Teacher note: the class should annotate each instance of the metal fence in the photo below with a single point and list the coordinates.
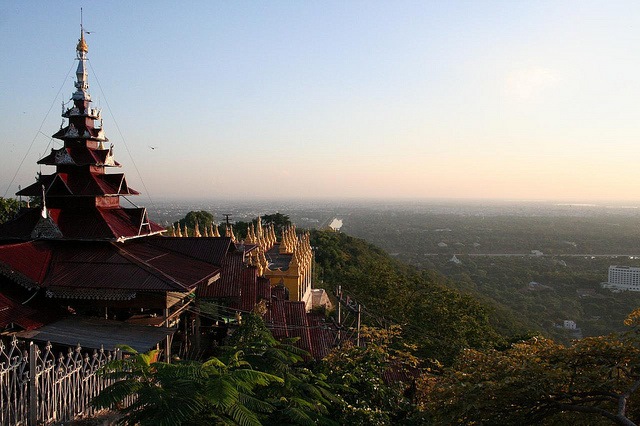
(36, 387)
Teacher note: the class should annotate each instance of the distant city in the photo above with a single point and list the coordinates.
(314, 214)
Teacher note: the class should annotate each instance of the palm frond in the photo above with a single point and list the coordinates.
(243, 416)
(255, 404)
(298, 416)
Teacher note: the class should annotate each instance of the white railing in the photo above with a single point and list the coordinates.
(39, 388)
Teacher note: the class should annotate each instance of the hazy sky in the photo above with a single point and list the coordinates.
(301, 99)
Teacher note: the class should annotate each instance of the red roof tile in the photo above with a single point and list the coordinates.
(12, 312)
(208, 249)
(322, 335)
(136, 265)
(94, 223)
(30, 259)
(289, 319)
(231, 279)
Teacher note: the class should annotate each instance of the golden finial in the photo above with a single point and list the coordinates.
(82, 45)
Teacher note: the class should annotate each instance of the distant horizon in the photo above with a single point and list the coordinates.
(557, 202)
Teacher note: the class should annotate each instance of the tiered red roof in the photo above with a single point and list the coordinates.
(82, 201)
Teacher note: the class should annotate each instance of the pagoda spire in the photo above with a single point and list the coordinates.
(80, 186)
(82, 82)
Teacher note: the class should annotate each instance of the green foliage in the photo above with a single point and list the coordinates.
(439, 320)
(255, 380)
(303, 397)
(359, 375)
(186, 392)
(202, 218)
(593, 381)
(504, 282)
(9, 207)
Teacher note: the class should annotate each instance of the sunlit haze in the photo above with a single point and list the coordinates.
(337, 99)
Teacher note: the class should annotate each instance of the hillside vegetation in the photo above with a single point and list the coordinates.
(440, 320)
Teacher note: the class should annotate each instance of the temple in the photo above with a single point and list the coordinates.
(81, 269)
(80, 200)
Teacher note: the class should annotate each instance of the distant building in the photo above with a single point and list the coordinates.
(623, 278)
(569, 325)
(536, 253)
(586, 292)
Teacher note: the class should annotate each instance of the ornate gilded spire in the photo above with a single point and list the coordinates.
(82, 45)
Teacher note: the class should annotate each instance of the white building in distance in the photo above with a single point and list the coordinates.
(623, 278)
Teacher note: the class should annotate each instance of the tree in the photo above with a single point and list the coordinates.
(303, 397)
(202, 218)
(255, 380)
(541, 382)
(376, 379)
(185, 392)
(439, 320)
(9, 208)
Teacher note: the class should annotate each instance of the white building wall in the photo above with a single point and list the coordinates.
(624, 278)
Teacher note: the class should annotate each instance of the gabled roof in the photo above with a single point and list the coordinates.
(101, 268)
(30, 259)
(12, 312)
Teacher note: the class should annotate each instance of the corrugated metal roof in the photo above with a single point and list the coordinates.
(12, 312)
(276, 319)
(30, 259)
(296, 313)
(231, 279)
(322, 335)
(287, 318)
(263, 289)
(130, 266)
(94, 333)
(95, 223)
(207, 249)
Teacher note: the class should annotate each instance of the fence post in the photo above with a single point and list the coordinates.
(33, 391)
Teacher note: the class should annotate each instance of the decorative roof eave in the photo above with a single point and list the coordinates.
(89, 294)
(57, 157)
(17, 277)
